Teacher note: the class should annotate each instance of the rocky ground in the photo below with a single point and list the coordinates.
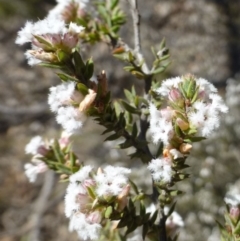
(204, 39)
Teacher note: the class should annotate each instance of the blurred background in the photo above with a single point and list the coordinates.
(204, 39)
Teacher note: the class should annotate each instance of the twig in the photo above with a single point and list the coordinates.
(136, 24)
(136, 31)
(162, 226)
(40, 206)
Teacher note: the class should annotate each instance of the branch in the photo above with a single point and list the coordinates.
(136, 24)
(162, 227)
(136, 31)
(40, 206)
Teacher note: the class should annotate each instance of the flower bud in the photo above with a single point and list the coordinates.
(182, 124)
(185, 148)
(64, 140)
(174, 95)
(88, 100)
(234, 212)
(43, 56)
(99, 171)
(102, 80)
(167, 113)
(122, 198)
(94, 217)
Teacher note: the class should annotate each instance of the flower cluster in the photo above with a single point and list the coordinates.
(49, 37)
(70, 105)
(88, 195)
(43, 151)
(38, 148)
(192, 113)
(68, 10)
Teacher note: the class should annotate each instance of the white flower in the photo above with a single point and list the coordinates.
(174, 220)
(65, 9)
(78, 205)
(74, 28)
(86, 230)
(70, 118)
(45, 26)
(161, 169)
(81, 175)
(32, 171)
(34, 145)
(111, 181)
(161, 128)
(167, 85)
(232, 199)
(63, 94)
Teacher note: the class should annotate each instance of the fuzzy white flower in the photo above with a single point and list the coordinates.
(232, 199)
(86, 230)
(70, 118)
(78, 205)
(45, 26)
(32, 171)
(174, 220)
(160, 127)
(161, 169)
(81, 175)
(167, 85)
(65, 8)
(73, 27)
(63, 94)
(112, 180)
(34, 145)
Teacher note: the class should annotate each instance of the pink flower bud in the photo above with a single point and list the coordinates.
(42, 150)
(88, 183)
(94, 217)
(182, 124)
(174, 95)
(64, 140)
(122, 198)
(167, 113)
(70, 40)
(234, 212)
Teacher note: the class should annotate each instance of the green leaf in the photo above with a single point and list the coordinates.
(163, 43)
(134, 186)
(130, 108)
(79, 64)
(126, 144)
(194, 139)
(112, 137)
(134, 130)
(91, 192)
(41, 40)
(82, 88)
(142, 209)
(108, 212)
(133, 91)
(114, 3)
(131, 227)
(128, 95)
(171, 209)
(154, 217)
(62, 56)
(66, 77)
(159, 70)
(89, 69)
(58, 152)
(145, 230)
(52, 66)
